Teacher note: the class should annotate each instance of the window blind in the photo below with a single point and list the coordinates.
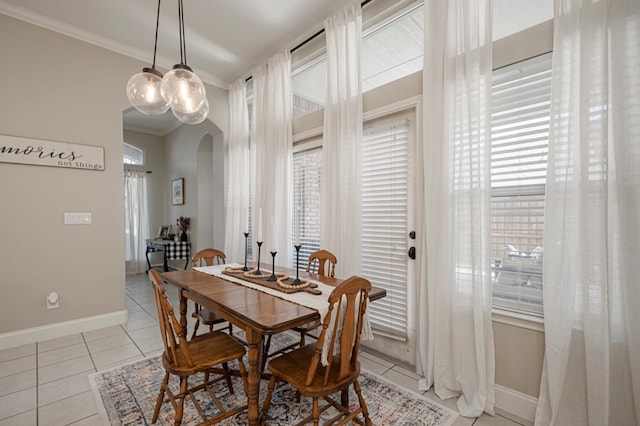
(520, 109)
(385, 173)
(307, 171)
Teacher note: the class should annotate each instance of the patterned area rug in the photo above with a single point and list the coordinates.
(128, 394)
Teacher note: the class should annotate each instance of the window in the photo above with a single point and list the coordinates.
(307, 172)
(385, 188)
(520, 109)
(385, 180)
(391, 49)
(132, 155)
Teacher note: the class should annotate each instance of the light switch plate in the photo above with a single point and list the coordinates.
(77, 218)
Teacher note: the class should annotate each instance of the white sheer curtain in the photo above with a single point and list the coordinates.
(136, 221)
(340, 200)
(238, 177)
(591, 373)
(455, 331)
(273, 142)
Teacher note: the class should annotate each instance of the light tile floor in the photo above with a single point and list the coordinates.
(46, 383)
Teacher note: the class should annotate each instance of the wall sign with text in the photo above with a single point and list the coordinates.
(47, 153)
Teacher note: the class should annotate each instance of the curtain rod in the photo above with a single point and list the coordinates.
(134, 170)
(299, 45)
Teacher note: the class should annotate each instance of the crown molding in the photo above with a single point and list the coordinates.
(55, 25)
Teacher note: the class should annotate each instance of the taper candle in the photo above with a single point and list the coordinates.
(297, 240)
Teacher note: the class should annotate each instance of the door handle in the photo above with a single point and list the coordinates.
(412, 253)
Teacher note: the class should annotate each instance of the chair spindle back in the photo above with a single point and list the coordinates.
(173, 336)
(347, 303)
(318, 263)
(208, 256)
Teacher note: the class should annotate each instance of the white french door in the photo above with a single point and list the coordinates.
(387, 170)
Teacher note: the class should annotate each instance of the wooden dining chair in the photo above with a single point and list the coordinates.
(182, 358)
(208, 257)
(323, 263)
(302, 367)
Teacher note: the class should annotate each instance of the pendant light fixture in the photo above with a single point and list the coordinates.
(143, 89)
(180, 89)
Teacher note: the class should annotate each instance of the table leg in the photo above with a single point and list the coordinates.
(254, 340)
(147, 256)
(166, 266)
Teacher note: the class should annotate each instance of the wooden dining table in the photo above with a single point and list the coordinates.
(257, 313)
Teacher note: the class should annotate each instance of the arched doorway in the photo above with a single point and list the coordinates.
(210, 181)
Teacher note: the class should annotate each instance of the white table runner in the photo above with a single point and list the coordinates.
(317, 302)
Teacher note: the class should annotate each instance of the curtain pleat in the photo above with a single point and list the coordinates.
(273, 142)
(136, 221)
(591, 372)
(238, 177)
(340, 207)
(455, 330)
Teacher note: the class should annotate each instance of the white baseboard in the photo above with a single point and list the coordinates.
(61, 329)
(511, 402)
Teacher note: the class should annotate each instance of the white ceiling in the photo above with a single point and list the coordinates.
(225, 39)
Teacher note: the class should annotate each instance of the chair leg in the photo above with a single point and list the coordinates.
(344, 398)
(245, 376)
(302, 333)
(156, 410)
(267, 400)
(315, 412)
(230, 329)
(265, 352)
(180, 403)
(195, 328)
(227, 377)
(363, 405)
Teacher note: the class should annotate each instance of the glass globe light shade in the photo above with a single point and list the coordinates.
(144, 92)
(195, 117)
(183, 90)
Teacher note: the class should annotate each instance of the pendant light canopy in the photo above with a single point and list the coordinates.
(180, 89)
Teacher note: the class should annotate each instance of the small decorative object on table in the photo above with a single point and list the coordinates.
(273, 276)
(246, 250)
(163, 232)
(297, 280)
(183, 224)
(258, 271)
(289, 284)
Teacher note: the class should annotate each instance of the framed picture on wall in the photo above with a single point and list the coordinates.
(177, 191)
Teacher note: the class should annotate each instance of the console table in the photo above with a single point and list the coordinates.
(172, 250)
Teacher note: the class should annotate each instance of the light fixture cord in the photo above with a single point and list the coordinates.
(155, 44)
(183, 44)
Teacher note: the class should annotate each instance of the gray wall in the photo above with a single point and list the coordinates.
(56, 88)
(183, 158)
